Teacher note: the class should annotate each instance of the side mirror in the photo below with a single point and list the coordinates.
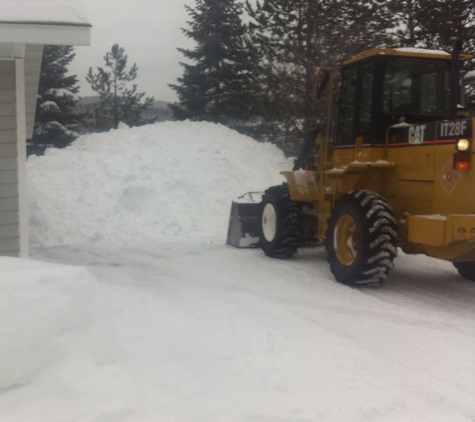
(323, 77)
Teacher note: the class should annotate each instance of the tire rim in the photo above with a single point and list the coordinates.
(346, 239)
(269, 222)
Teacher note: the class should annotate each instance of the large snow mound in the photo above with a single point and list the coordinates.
(170, 178)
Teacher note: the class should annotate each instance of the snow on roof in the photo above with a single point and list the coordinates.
(43, 12)
(421, 51)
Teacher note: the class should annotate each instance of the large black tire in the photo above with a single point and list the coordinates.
(280, 224)
(466, 269)
(361, 239)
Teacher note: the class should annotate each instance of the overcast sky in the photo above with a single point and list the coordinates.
(148, 30)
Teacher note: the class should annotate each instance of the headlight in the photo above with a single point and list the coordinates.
(463, 145)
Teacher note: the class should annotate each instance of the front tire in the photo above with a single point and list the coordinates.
(361, 239)
(466, 269)
(280, 225)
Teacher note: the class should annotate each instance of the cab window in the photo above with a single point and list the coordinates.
(364, 112)
(415, 87)
(356, 103)
(347, 103)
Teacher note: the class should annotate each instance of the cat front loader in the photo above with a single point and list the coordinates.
(394, 168)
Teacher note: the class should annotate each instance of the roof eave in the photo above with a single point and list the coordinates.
(46, 33)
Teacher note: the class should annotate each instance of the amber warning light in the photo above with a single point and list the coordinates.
(462, 161)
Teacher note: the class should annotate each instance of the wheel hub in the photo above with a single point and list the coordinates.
(269, 222)
(346, 239)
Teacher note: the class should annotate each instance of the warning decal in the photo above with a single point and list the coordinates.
(449, 178)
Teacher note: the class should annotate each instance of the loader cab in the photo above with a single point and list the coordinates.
(383, 87)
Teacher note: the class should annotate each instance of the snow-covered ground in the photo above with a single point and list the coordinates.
(133, 309)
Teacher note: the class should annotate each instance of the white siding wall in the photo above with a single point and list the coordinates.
(9, 202)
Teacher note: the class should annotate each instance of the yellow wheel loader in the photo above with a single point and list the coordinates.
(394, 168)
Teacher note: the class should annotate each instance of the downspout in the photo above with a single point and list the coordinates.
(21, 157)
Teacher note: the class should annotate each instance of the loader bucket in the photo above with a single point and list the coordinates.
(243, 229)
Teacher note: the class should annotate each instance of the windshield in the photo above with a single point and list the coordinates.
(415, 87)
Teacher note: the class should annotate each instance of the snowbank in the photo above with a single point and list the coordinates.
(171, 178)
(49, 312)
(58, 342)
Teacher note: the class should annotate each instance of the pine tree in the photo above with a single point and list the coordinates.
(294, 38)
(215, 86)
(286, 34)
(445, 21)
(402, 18)
(55, 124)
(357, 27)
(118, 103)
(433, 24)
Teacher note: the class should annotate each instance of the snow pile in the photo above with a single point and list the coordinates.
(52, 306)
(58, 336)
(166, 179)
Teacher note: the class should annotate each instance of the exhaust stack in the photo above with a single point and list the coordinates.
(455, 80)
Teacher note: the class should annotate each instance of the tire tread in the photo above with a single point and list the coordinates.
(289, 231)
(380, 245)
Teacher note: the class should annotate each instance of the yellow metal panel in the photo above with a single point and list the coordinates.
(343, 157)
(302, 185)
(454, 191)
(414, 163)
(369, 155)
(440, 231)
(415, 190)
(461, 228)
(427, 230)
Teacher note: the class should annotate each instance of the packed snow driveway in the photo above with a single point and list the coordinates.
(206, 332)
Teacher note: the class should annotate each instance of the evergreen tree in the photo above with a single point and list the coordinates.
(433, 24)
(55, 124)
(444, 22)
(215, 86)
(118, 103)
(402, 18)
(288, 37)
(357, 27)
(294, 38)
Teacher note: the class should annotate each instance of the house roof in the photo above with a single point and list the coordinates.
(27, 25)
(42, 11)
(43, 22)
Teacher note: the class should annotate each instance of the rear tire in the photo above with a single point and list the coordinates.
(466, 269)
(280, 225)
(361, 239)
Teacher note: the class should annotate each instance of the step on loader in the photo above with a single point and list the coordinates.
(394, 168)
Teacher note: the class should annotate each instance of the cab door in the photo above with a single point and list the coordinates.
(356, 105)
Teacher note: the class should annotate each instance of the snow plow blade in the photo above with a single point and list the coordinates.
(243, 229)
